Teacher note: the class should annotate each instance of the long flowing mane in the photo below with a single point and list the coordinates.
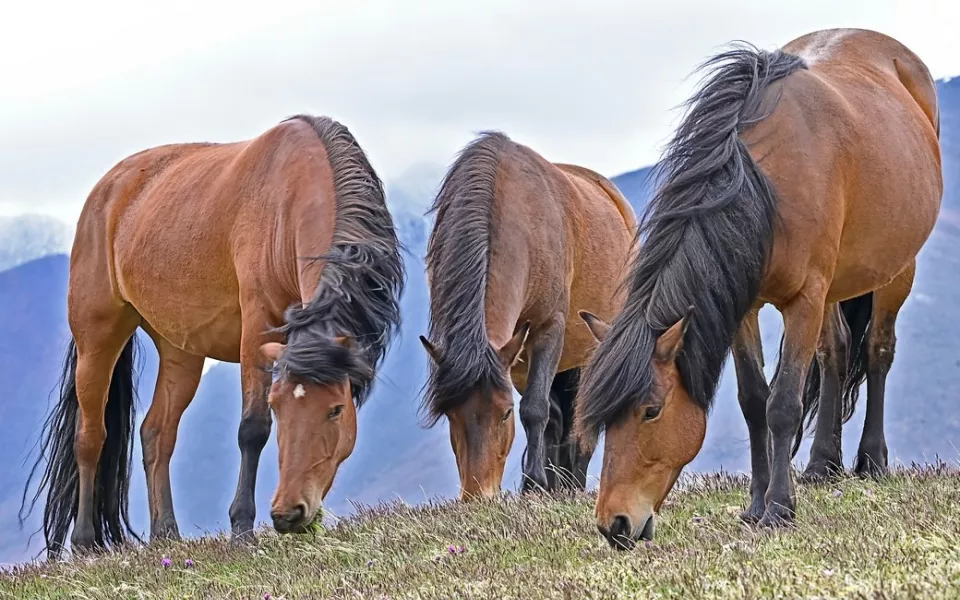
(458, 256)
(708, 233)
(362, 278)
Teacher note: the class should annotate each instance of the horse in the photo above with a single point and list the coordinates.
(801, 178)
(517, 246)
(278, 253)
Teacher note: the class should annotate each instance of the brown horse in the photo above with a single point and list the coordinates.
(519, 244)
(799, 178)
(224, 251)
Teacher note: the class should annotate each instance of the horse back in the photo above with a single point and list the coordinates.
(859, 181)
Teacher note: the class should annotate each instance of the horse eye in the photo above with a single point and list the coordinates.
(335, 412)
(507, 415)
(652, 412)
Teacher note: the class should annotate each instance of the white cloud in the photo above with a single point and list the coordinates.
(87, 84)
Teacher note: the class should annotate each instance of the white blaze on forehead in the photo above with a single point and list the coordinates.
(299, 392)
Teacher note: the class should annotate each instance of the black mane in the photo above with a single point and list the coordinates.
(362, 278)
(458, 256)
(707, 237)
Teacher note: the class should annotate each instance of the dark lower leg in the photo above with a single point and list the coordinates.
(535, 403)
(825, 453)
(752, 393)
(556, 465)
(252, 437)
(872, 453)
(802, 323)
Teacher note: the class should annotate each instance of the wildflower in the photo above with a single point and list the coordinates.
(869, 493)
(837, 493)
(648, 544)
(188, 563)
(166, 562)
(698, 519)
(828, 572)
(267, 596)
(370, 563)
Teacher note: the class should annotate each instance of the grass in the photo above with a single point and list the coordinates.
(896, 538)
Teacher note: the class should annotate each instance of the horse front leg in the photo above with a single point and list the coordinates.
(544, 353)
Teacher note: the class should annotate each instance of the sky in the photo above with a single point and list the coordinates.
(594, 82)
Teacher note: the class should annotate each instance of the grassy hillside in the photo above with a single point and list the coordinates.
(855, 539)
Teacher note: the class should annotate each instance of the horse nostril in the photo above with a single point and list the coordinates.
(298, 513)
(621, 527)
(292, 520)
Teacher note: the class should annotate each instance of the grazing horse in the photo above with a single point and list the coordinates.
(800, 178)
(518, 246)
(277, 252)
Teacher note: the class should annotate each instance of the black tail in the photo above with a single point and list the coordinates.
(60, 476)
(857, 312)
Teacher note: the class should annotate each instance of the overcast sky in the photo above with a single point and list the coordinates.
(595, 82)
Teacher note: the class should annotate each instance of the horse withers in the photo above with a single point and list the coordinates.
(274, 252)
(800, 178)
(519, 245)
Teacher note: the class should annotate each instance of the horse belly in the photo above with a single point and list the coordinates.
(186, 300)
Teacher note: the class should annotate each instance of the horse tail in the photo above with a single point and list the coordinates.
(61, 477)
(857, 313)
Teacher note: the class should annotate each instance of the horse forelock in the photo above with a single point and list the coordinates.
(358, 294)
(706, 239)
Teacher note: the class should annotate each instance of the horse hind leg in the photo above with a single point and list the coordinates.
(880, 345)
(177, 382)
(825, 454)
(574, 460)
(101, 454)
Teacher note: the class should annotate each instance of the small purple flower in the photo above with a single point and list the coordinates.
(166, 562)
(267, 596)
(869, 493)
(452, 549)
(370, 563)
(461, 549)
(648, 544)
(188, 563)
(698, 519)
(837, 493)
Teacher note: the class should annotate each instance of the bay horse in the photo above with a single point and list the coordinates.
(277, 253)
(518, 246)
(801, 178)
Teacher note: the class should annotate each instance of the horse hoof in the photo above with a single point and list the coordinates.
(868, 466)
(821, 472)
(777, 517)
(752, 515)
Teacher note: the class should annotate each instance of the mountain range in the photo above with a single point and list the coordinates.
(395, 458)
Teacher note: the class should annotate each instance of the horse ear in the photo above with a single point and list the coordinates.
(272, 351)
(670, 343)
(597, 326)
(431, 349)
(511, 350)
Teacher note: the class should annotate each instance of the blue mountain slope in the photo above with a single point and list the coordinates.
(394, 456)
